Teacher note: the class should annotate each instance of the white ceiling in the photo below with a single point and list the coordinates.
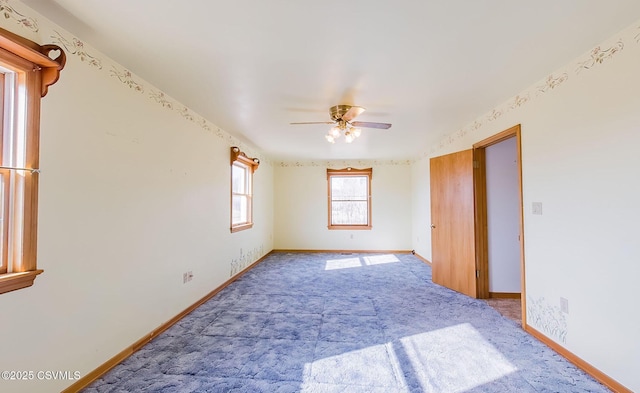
(429, 67)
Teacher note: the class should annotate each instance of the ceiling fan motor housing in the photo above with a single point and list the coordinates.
(338, 111)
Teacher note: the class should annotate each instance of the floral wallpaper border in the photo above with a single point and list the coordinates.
(597, 56)
(547, 318)
(240, 263)
(342, 163)
(76, 48)
(10, 13)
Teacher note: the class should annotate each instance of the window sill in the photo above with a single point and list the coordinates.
(242, 227)
(14, 281)
(350, 227)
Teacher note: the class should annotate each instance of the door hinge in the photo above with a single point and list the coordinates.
(476, 164)
(477, 273)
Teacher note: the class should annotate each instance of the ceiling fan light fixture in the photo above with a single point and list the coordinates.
(330, 138)
(348, 136)
(342, 117)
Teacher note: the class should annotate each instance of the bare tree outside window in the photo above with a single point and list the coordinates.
(349, 198)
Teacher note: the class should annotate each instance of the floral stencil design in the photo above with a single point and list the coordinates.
(10, 13)
(496, 113)
(342, 164)
(519, 100)
(126, 78)
(548, 319)
(598, 56)
(204, 124)
(184, 112)
(76, 47)
(161, 99)
(243, 261)
(551, 83)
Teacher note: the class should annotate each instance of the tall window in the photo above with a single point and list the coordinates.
(242, 168)
(349, 198)
(26, 71)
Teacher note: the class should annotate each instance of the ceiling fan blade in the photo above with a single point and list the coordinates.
(315, 122)
(366, 124)
(352, 113)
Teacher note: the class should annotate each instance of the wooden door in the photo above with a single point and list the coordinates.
(453, 222)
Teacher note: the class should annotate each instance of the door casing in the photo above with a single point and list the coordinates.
(481, 231)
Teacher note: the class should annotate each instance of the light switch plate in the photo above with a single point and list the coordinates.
(536, 208)
(564, 305)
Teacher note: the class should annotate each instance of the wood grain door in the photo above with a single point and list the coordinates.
(453, 222)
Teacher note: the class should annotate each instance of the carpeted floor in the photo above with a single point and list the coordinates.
(333, 323)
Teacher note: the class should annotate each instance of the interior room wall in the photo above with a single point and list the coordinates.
(503, 216)
(301, 208)
(134, 192)
(579, 157)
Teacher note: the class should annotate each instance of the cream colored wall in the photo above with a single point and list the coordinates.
(133, 193)
(580, 138)
(301, 216)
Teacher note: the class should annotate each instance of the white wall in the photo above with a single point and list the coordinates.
(580, 138)
(132, 195)
(503, 216)
(301, 216)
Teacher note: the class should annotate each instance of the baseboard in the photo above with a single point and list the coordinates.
(114, 361)
(504, 295)
(423, 259)
(347, 251)
(586, 367)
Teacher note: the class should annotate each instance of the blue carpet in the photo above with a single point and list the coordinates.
(328, 323)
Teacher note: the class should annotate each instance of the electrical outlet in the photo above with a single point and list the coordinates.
(564, 305)
(536, 208)
(187, 276)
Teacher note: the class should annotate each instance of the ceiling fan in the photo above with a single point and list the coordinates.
(342, 118)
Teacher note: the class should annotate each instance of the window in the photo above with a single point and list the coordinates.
(349, 198)
(26, 71)
(242, 169)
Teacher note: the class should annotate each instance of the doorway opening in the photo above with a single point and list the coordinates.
(499, 223)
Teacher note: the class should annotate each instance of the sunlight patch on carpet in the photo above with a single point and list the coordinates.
(348, 263)
(453, 359)
(380, 259)
(351, 364)
(342, 263)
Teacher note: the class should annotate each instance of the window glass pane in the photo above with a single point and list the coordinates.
(349, 188)
(240, 210)
(238, 179)
(349, 213)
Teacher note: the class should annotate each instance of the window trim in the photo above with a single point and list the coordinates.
(36, 71)
(348, 171)
(252, 164)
